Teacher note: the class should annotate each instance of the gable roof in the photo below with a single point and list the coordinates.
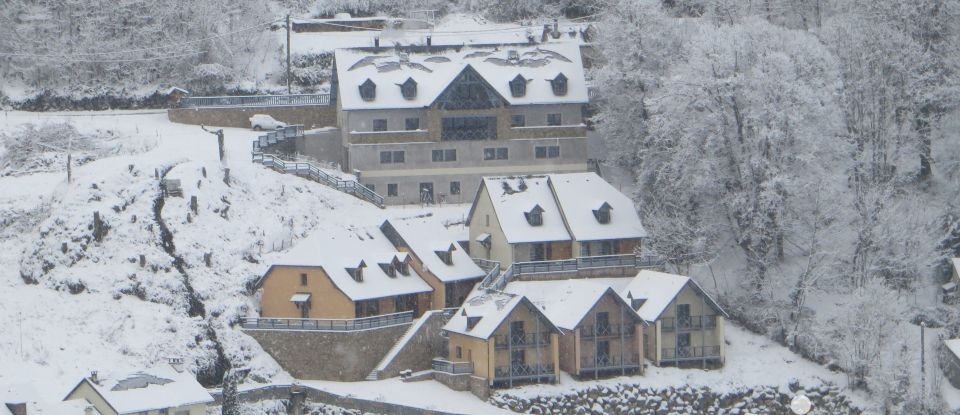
(334, 252)
(493, 308)
(434, 70)
(953, 345)
(579, 194)
(567, 302)
(423, 236)
(659, 289)
(511, 204)
(152, 389)
(956, 265)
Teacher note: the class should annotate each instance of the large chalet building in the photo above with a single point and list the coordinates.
(421, 124)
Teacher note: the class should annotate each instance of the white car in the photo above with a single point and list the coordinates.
(265, 122)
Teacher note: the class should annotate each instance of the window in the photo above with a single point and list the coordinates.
(468, 91)
(403, 267)
(546, 152)
(389, 270)
(487, 221)
(559, 85)
(459, 353)
(518, 357)
(366, 308)
(409, 89)
(446, 256)
(372, 187)
(412, 124)
(356, 273)
(454, 188)
(534, 216)
(603, 322)
(445, 155)
(518, 120)
(391, 157)
(368, 90)
(539, 251)
(405, 303)
(468, 128)
(603, 213)
(683, 315)
(472, 322)
(380, 124)
(518, 86)
(392, 189)
(554, 119)
(498, 153)
(303, 279)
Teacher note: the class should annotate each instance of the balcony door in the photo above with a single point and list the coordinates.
(683, 345)
(539, 251)
(517, 333)
(603, 323)
(683, 316)
(426, 193)
(603, 352)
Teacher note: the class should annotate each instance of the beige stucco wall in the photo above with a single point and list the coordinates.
(472, 349)
(483, 215)
(327, 301)
(531, 324)
(698, 338)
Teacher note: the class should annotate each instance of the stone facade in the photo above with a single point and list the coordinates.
(301, 394)
(328, 355)
(310, 116)
(418, 352)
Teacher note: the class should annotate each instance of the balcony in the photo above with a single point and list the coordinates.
(609, 362)
(688, 323)
(680, 354)
(521, 372)
(609, 330)
(453, 368)
(365, 323)
(518, 340)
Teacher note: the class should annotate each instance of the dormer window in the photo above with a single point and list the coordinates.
(535, 216)
(518, 86)
(388, 269)
(368, 90)
(559, 85)
(636, 303)
(472, 322)
(603, 213)
(446, 255)
(402, 266)
(409, 89)
(357, 272)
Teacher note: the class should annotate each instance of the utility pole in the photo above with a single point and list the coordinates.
(289, 90)
(923, 369)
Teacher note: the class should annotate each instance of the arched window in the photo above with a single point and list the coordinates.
(368, 90)
(518, 86)
(559, 85)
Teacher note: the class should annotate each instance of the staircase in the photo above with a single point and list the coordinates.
(405, 339)
(261, 153)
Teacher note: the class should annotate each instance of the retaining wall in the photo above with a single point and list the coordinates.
(328, 355)
(310, 116)
(417, 354)
(277, 392)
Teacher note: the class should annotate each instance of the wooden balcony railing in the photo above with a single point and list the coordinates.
(455, 368)
(690, 353)
(609, 330)
(261, 323)
(688, 323)
(517, 340)
(609, 362)
(523, 371)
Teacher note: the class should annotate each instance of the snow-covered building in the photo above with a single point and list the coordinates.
(343, 275)
(600, 333)
(684, 324)
(440, 261)
(424, 121)
(159, 390)
(950, 361)
(505, 339)
(551, 217)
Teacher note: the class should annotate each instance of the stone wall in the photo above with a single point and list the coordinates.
(310, 116)
(323, 145)
(328, 355)
(463, 382)
(309, 394)
(417, 354)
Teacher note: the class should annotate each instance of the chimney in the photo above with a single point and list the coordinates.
(19, 408)
(429, 41)
(94, 378)
(376, 41)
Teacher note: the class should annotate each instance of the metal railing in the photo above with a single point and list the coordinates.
(304, 169)
(688, 323)
(521, 371)
(608, 362)
(364, 323)
(610, 330)
(486, 264)
(571, 265)
(254, 101)
(690, 353)
(446, 366)
(504, 341)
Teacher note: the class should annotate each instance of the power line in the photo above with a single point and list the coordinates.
(30, 55)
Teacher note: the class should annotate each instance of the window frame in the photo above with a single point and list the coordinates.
(378, 123)
(514, 118)
(393, 190)
(554, 119)
(442, 155)
(496, 153)
(455, 190)
(407, 121)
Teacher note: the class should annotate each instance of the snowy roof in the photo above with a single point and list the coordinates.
(658, 289)
(564, 302)
(434, 70)
(956, 266)
(424, 236)
(579, 194)
(954, 346)
(300, 298)
(156, 388)
(491, 308)
(334, 252)
(511, 203)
